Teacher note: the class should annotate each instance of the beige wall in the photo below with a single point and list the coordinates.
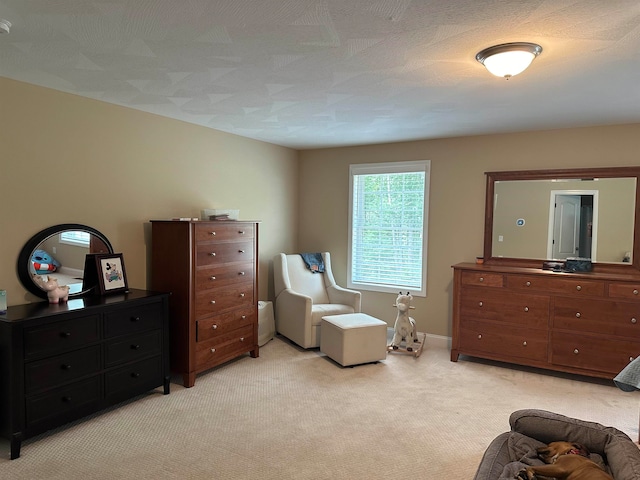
(456, 201)
(68, 159)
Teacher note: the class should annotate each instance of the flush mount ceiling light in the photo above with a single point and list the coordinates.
(508, 59)
(5, 25)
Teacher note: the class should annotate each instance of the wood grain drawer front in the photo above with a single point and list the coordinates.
(61, 369)
(494, 339)
(220, 253)
(483, 279)
(592, 352)
(138, 376)
(63, 400)
(214, 277)
(502, 306)
(59, 336)
(222, 347)
(597, 316)
(133, 348)
(211, 232)
(563, 286)
(129, 320)
(628, 291)
(224, 323)
(225, 298)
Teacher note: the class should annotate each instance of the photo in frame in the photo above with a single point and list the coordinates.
(112, 277)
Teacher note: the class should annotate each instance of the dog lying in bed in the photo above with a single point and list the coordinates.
(567, 461)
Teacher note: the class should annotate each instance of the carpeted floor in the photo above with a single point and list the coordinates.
(295, 414)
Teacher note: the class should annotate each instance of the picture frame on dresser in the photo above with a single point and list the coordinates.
(112, 277)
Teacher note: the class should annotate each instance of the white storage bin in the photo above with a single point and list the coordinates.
(266, 322)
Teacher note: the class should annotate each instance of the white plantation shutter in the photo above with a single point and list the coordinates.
(388, 220)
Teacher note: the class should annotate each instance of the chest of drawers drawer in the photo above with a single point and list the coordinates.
(220, 253)
(134, 377)
(133, 348)
(492, 338)
(216, 349)
(592, 352)
(224, 323)
(556, 285)
(502, 306)
(232, 296)
(483, 279)
(127, 320)
(208, 232)
(219, 276)
(626, 291)
(56, 337)
(64, 368)
(597, 316)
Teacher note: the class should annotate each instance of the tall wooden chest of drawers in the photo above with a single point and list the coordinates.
(587, 323)
(61, 362)
(210, 268)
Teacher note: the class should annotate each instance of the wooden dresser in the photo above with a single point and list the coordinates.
(61, 362)
(582, 323)
(210, 268)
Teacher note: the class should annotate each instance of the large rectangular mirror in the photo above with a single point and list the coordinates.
(532, 216)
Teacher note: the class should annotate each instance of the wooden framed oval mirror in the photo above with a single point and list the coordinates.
(523, 208)
(60, 251)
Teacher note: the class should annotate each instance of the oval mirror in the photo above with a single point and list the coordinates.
(60, 251)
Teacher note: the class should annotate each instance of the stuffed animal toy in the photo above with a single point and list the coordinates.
(43, 263)
(55, 293)
(405, 326)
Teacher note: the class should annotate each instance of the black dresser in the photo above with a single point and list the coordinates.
(61, 362)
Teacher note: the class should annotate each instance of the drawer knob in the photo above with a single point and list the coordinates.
(66, 399)
(631, 359)
(212, 277)
(135, 347)
(214, 326)
(526, 309)
(135, 375)
(578, 315)
(213, 350)
(528, 284)
(212, 302)
(135, 319)
(481, 279)
(65, 366)
(479, 335)
(241, 232)
(241, 295)
(576, 351)
(241, 273)
(242, 339)
(240, 251)
(479, 304)
(634, 320)
(212, 233)
(65, 334)
(635, 292)
(244, 316)
(524, 343)
(578, 287)
(212, 254)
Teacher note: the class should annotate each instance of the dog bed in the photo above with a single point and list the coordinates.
(511, 451)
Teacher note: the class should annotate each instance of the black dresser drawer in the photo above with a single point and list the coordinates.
(60, 336)
(135, 319)
(136, 377)
(63, 400)
(61, 369)
(133, 348)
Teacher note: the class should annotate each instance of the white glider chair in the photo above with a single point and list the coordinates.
(304, 297)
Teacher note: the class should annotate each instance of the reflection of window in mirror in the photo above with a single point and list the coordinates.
(74, 237)
(529, 200)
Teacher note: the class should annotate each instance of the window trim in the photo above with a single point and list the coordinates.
(382, 168)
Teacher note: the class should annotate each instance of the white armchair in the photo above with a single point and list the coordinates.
(304, 297)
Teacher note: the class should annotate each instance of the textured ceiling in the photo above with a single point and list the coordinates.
(316, 73)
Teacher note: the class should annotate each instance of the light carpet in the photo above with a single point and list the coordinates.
(295, 414)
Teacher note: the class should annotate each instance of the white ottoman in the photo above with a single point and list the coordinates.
(353, 338)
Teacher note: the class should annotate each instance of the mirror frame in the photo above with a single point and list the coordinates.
(24, 258)
(604, 172)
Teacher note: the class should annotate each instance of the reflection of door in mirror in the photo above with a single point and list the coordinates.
(573, 215)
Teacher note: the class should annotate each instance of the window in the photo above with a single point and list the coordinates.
(388, 205)
(75, 237)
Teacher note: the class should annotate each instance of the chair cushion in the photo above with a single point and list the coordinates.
(323, 309)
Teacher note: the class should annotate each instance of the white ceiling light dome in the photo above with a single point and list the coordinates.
(508, 59)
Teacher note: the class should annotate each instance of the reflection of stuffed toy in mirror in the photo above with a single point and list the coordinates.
(43, 263)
